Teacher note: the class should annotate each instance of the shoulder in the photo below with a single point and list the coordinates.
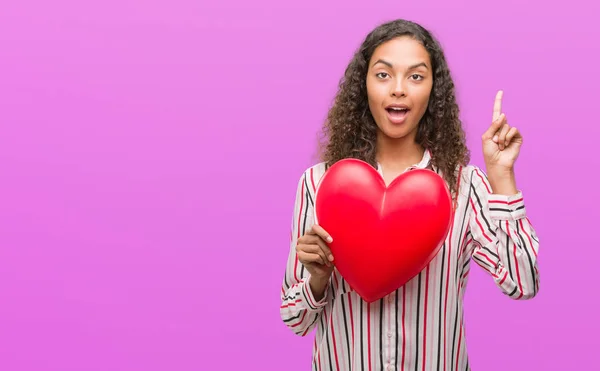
(311, 176)
(473, 178)
(314, 172)
(472, 172)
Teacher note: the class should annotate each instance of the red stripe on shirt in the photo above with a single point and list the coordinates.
(309, 295)
(301, 320)
(447, 283)
(478, 222)
(337, 362)
(312, 181)
(369, 332)
(298, 234)
(351, 319)
(516, 263)
(403, 326)
(459, 340)
(505, 202)
(483, 181)
(504, 278)
(425, 318)
(292, 304)
(486, 258)
(528, 236)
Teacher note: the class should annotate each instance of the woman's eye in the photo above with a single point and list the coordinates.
(417, 77)
(382, 75)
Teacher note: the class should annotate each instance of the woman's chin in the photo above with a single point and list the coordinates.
(395, 133)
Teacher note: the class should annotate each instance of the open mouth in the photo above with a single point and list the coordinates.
(397, 113)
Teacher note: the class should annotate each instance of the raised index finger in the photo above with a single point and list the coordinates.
(497, 105)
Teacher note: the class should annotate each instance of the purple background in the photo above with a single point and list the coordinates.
(149, 153)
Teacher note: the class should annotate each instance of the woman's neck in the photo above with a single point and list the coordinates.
(398, 154)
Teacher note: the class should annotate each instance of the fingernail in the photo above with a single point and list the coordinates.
(329, 239)
(495, 138)
(330, 257)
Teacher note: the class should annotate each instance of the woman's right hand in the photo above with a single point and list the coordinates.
(314, 254)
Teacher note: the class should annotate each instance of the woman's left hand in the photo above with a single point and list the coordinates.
(501, 143)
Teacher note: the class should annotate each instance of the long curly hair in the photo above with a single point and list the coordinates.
(350, 130)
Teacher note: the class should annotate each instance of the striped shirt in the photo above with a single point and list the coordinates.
(420, 326)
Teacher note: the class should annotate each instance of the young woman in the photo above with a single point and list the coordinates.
(396, 109)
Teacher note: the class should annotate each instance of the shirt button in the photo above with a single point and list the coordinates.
(390, 334)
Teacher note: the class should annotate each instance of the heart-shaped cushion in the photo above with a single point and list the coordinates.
(382, 236)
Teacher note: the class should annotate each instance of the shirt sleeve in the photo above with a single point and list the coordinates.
(299, 310)
(506, 244)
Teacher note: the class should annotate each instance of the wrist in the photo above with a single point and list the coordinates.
(318, 284)
(502, 180)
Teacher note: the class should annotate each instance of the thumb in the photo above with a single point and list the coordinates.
(494, 128)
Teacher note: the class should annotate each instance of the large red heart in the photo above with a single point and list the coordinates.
(382, 236)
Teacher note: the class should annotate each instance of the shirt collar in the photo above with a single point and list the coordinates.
(423, 164)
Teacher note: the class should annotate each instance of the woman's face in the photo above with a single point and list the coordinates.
(399, 82)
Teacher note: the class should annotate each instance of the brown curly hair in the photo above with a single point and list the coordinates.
(350, 130)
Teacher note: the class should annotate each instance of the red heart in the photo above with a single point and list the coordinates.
(382, 236)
